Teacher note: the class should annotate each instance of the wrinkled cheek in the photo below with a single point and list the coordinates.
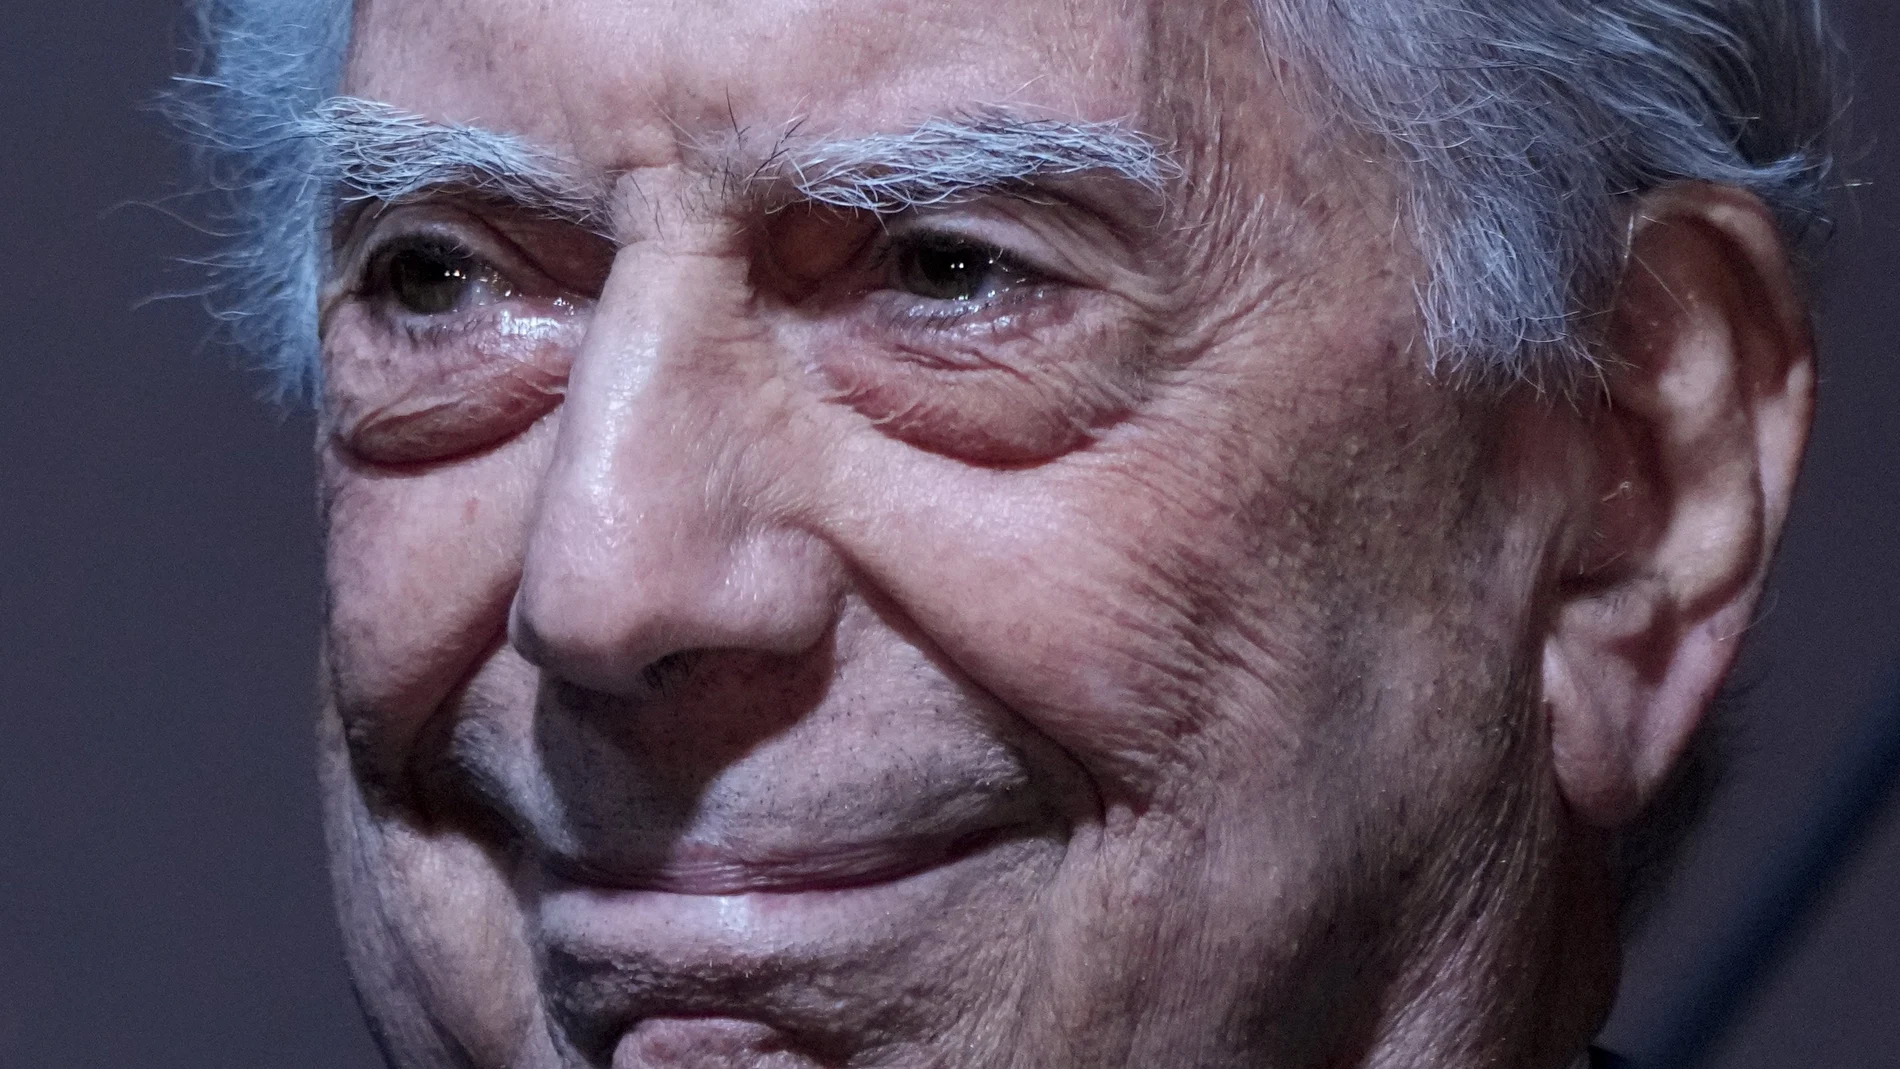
(1145, 623)
(1063, 622)
(1114, 696)
(434, 940)
(1147, 692)
(421, 567)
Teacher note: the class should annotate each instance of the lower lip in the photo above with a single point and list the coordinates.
(697, 1041)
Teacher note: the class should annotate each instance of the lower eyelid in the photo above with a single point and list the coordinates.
(424, 426)
(409, 392)
(1012, 312)
(438, 334)
(494, 314)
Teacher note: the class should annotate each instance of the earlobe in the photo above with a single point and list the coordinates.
(1692, 450)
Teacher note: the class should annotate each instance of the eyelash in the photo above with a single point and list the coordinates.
(1030, 284)
(1025, 286)
(375, 286)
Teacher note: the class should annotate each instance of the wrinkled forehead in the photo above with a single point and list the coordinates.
(626, 84)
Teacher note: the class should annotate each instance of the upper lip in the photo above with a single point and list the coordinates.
(691, 868)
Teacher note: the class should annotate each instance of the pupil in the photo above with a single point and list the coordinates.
(429, 281)
(948, 272)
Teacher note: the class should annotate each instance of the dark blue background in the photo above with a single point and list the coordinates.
(162, 896)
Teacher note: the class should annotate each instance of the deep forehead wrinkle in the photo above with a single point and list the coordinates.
(372, 151)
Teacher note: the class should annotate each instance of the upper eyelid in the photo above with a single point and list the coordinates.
(372, 235)
(489, 247)
(1066, 238)
(1036, 268)
(355, 219)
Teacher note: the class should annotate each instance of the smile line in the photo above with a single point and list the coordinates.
(832, 869)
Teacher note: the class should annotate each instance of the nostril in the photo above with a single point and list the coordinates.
(671, 677)
(629, 610)
(668, 673)
(523, 636)
(622, 640)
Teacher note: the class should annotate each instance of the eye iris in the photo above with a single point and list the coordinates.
(430, 281)
(948, 271)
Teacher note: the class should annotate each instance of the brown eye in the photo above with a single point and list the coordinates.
(434, 278)
(950, 270)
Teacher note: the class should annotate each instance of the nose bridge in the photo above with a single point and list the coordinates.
(652, 536)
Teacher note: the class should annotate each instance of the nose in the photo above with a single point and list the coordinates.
(663, 526)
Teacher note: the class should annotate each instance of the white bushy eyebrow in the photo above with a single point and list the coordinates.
(945, 160)
(372, 151)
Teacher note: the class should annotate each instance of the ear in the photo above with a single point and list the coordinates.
(1692, 454)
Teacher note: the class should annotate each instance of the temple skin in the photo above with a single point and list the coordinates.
(739, 653)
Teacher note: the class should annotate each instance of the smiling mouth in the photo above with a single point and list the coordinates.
(690, 869)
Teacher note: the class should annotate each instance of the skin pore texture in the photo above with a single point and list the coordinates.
(758, 637)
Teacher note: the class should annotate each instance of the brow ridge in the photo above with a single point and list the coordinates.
(372, 151)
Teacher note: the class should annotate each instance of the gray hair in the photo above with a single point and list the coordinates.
(368, 150)
(1521, 128)
(263, 67)
(1517, 130)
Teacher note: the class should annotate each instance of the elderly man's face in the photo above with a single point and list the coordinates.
(1056, 626)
